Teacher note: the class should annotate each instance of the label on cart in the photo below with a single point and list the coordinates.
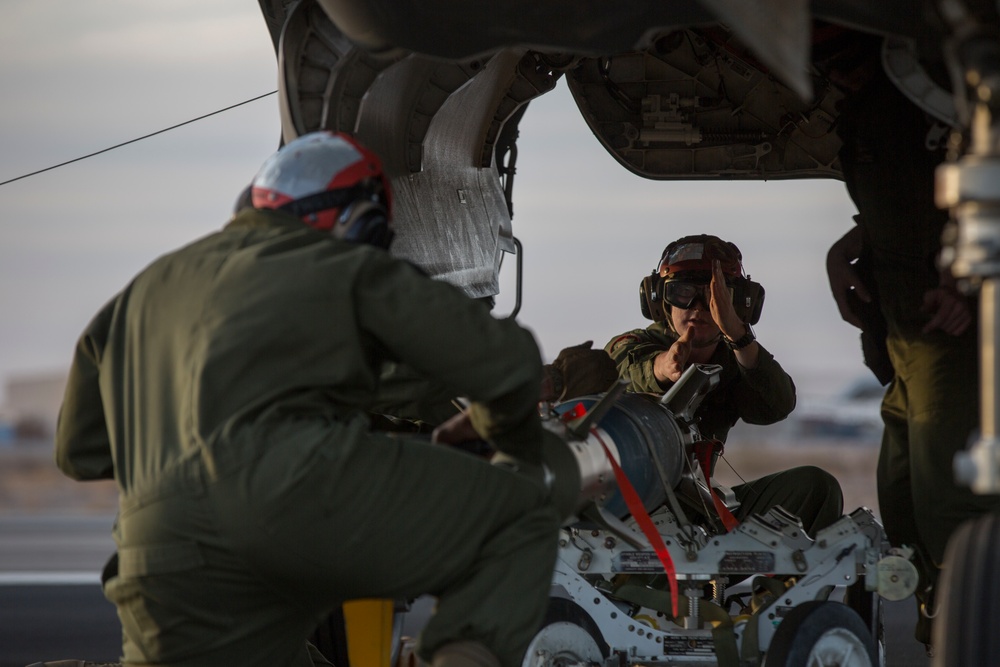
(689, 646)
(746, 562)
(639, 561)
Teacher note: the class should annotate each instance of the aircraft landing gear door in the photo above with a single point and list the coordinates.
(967, 609)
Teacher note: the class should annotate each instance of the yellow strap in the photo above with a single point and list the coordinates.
(368, 625)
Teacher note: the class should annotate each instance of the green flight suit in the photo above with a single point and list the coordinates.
(762, 395)
(225, 390)
(931, 407)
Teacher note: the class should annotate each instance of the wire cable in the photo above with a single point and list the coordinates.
(132, 141)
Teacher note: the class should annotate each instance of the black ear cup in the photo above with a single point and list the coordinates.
(748, 300)
(758, 302)
(644, 299)
(365, 222)
(651, 298)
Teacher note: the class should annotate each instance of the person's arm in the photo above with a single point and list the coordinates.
(843, 278)
(442, 334)
(405, 394)
(765, 394)
(950, 310)
(635, 354)
(729, 323)
(578, 371)
(82, 445)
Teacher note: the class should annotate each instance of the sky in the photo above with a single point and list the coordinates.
(81, 77)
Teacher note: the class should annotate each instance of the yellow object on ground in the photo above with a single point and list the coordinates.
(368, 625)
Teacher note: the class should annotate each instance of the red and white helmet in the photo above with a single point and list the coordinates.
(333, 183)
(692, 256)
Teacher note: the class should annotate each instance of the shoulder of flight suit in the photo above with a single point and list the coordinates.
(764, 394)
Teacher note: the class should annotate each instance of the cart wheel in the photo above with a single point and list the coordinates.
(567, 636)
(968, 597)
(821, 634)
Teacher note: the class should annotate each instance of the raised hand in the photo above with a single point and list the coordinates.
(670, 365)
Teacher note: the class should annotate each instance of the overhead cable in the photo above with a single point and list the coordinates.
(132, 141)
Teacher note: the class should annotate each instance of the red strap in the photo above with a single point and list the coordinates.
(704, 450)
(637, 510)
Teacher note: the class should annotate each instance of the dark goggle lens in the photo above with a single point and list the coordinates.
(683, 295)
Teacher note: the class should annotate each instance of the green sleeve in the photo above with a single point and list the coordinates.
(408, 395)
(634, 352)
(451, 339)
(83, 448)
(765, 394)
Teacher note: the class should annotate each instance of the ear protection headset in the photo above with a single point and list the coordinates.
(748, 296)
(748, 299)
(651, 297)
(365, 221)
(363, 217)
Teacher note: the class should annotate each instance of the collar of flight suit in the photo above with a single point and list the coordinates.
(249, 218)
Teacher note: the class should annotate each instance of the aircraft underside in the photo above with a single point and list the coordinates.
(668, 89)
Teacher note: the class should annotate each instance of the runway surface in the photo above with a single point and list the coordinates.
(51, 606)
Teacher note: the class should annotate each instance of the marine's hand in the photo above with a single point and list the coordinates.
(584, 371)
(669, 365)
(721, 305)
(568, 353)
(456, 430)
(949, 311)
(843, 278)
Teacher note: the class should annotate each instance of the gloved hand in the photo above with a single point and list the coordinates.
(584, 371)
(459, 433)
(456, 430)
